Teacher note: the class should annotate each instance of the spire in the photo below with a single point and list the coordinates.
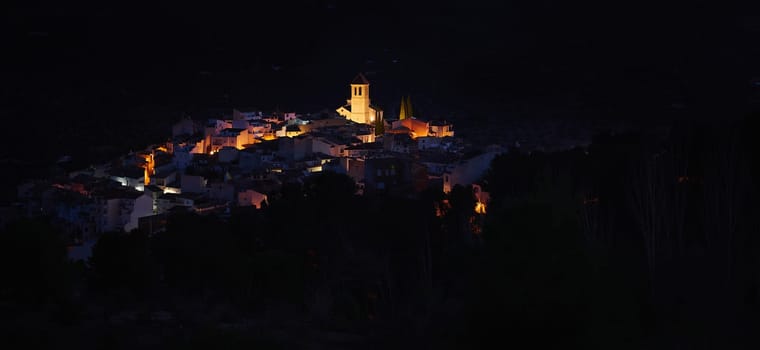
(409, 106)
(402, 111)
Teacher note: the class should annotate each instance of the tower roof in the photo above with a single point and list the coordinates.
(360, 79)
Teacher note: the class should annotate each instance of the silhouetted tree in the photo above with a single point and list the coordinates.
(379, 126)
(34, 265)
(200, 255)
(329, 187)
(123, 262)
(529, 287)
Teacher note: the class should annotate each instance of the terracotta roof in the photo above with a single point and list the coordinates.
(399, 130)
(360, 79)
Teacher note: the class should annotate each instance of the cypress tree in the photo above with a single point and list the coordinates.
(402, 111)
(379, 126)
(409, 107)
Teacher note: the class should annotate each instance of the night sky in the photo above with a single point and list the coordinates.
(89, 67)
(596, 52)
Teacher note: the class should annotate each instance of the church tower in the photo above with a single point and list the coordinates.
(360, 109)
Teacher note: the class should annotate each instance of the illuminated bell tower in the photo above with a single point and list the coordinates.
(360, 112)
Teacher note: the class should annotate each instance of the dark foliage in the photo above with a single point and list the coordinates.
(639, 241)
(123, 262)
(34, 266)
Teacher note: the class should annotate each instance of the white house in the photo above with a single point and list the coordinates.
(143, 206)
(182, 157)
(193, 184)
(428, 142)
(114, 210)
(185, 126)
(251, 198)
(441, 128)
(327, 146)
(131, 176)
(229, 137)
(224, 192)
(246, 114)
(163, 178)
(467, 171)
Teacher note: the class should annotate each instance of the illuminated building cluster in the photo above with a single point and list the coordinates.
(244, 158)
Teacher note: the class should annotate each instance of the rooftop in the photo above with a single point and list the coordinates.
(120, 193)
(369, 145)
(131, 172)
(439, 122)
(360, 79)
(232, 131)
(247, 109)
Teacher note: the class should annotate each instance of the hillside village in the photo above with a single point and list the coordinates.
(244, 158)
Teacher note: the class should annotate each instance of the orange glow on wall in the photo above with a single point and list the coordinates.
(480, 208)
(417, 128)
(149, 167)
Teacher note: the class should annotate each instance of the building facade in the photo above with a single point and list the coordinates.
(359, 108)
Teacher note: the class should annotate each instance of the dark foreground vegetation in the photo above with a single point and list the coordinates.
(639, 241)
